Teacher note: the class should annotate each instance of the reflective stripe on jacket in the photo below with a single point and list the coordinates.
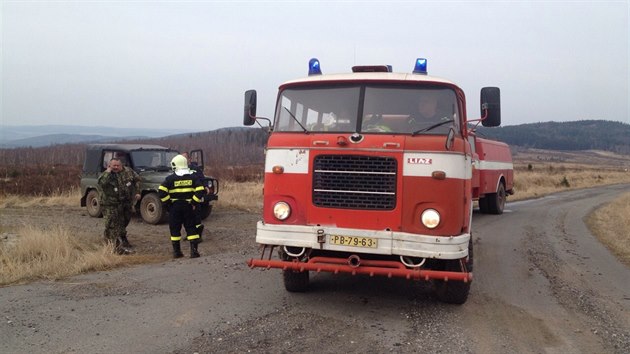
(186, 188)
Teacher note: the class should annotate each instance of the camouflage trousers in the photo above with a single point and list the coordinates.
(117, 218)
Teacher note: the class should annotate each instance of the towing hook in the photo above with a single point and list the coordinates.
(354, 261)
(412, 262)
(294, 251)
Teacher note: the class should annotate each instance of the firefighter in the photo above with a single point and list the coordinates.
(198, 172)
(118, 187)
(181, 192)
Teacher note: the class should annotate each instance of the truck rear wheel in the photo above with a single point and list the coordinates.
(295, 282)
(151, 209)
(496, 201)
(92, 204)
(454, 291)
(483, 205)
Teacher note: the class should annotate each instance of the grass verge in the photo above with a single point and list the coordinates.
(610, 223)
(33, 253)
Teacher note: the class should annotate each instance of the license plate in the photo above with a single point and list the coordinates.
(354, 241)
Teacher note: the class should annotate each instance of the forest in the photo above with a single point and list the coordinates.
(238, 153)
(566, 136)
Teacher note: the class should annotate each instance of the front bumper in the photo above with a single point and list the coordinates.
(388, 242)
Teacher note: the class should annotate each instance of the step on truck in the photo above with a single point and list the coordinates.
(376, 173)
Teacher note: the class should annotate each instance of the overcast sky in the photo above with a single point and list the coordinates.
(177, 64)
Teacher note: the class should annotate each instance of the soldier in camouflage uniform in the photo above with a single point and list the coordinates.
(119, 188)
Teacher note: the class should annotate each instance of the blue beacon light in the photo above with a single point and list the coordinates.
(421, 66)
(313, 67)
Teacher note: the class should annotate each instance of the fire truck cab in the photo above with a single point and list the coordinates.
(375, 173)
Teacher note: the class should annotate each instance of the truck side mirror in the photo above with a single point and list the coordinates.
(491, 106)
(249, 114)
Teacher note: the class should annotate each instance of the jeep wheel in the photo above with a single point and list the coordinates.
(206, 209)
(151, 209)
(92, 204)
(295, 282)
(454, 291)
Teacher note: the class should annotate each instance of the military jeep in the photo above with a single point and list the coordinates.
(152, 163)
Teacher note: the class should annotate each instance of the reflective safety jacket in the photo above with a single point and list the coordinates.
(187, 188)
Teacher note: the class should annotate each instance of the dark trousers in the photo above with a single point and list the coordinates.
(198, 216)
(181, 213)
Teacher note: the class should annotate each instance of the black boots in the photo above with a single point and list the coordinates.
(120, 248)
(200, 232)
(125, 242)
(193, 249)
(177, 251)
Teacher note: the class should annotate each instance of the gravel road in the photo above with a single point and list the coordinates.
(542, 284)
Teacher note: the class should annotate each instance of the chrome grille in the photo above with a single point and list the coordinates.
(354, 182)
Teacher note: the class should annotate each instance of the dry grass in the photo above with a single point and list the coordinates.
(241, 195)
(536, 180)
(610, 223)
(70, 197)
(33, 253)
(53, 254)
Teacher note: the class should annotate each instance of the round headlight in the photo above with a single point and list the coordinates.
(281, 210)
(430, 218)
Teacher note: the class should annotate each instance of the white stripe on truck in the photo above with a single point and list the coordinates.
(415, 164)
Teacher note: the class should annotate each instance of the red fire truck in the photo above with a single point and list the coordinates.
(375, 173)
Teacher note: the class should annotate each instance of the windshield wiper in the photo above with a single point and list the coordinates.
(296, 120)
(431, 127)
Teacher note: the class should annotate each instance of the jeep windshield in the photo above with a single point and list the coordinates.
(154, 160)
(367, 109)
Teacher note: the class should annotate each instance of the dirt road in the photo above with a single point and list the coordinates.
(542, 285)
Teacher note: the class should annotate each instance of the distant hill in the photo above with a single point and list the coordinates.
(568, 136)
(45, 135)
(56, 139)
(243, 146)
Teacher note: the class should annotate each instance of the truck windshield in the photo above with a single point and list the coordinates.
(159, 160)
(367, 109)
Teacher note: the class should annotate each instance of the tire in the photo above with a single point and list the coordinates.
(206, 209)
(295, 282)
(454, 291)
(483, 205)
(151, 209)
(496, 201)
(92, 204)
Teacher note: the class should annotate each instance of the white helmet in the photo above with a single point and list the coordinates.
(179, 162)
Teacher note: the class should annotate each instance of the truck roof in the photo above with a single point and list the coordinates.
(371, 76)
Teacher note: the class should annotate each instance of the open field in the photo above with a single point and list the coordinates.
(537, 173)
(540, 172)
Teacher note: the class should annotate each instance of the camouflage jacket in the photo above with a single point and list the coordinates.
(115, 188)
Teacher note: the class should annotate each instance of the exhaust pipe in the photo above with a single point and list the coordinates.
(294, 251)
(354, 261)
(412, 262)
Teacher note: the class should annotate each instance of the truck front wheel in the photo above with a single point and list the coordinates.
(496, 201)
(454, 291)
(92, 204)
(295, 282)
(151, 209)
